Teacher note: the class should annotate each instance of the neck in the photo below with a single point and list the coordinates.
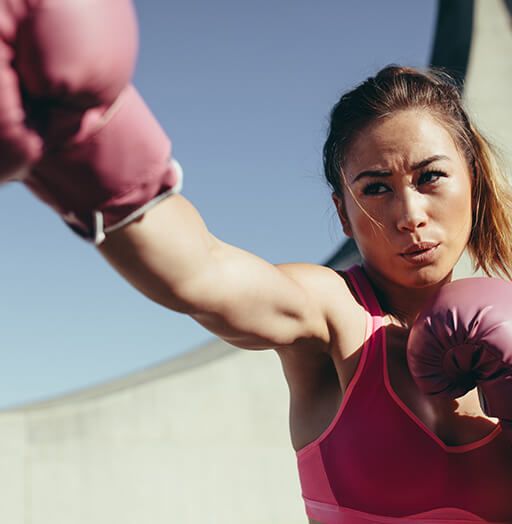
(402, 302)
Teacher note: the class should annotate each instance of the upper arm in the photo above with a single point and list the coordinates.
(258, 305)
(170, 256)
(281, 307)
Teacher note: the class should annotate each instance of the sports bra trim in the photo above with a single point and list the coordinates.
(344, 515)
(457, 448)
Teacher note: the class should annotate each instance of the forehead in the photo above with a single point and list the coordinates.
(399, 141)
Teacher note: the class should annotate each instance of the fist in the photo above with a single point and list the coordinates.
(463, 339)
(78, 53)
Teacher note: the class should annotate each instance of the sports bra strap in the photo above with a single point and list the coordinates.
(364, 290)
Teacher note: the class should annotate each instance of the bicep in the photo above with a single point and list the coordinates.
(255, 305)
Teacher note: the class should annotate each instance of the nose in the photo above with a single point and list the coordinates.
(410, 211)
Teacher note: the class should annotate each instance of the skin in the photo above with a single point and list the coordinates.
(308, 313)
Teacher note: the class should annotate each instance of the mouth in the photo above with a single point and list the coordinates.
(420, 253)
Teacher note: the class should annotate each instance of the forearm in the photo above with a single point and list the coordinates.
(163, 253)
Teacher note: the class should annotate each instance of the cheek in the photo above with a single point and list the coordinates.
(367, 224)
(368, 215)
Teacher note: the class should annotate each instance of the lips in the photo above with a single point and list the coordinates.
(420, 253)
(417, 248)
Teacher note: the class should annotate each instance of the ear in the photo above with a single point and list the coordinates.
(340, 208)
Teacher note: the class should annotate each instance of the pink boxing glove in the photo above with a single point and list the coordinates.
(76, 52)
(114, 168)
(463, 339)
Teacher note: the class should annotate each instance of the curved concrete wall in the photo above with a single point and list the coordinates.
(200, 439)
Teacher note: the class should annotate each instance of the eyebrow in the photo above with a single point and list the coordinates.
(414, 167)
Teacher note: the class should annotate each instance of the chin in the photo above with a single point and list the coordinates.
(428, 276)
(429, 280)
(413, 277)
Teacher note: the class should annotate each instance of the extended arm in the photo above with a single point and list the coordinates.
(105, 168)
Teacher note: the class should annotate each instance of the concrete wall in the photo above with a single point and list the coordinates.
(201, 439)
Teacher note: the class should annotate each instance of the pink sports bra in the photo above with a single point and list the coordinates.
(377, 462)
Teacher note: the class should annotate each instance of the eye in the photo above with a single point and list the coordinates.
(375, 188)
(430, 177)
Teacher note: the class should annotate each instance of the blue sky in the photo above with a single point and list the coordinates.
(244, 90)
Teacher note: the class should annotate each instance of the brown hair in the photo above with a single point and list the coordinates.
(397, 88)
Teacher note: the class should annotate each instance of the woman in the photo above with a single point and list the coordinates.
(414, 184)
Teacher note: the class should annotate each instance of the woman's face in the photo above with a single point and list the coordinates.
(408, 175)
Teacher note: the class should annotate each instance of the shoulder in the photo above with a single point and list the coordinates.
(330, 293)
(313, 276)
(322, 282)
